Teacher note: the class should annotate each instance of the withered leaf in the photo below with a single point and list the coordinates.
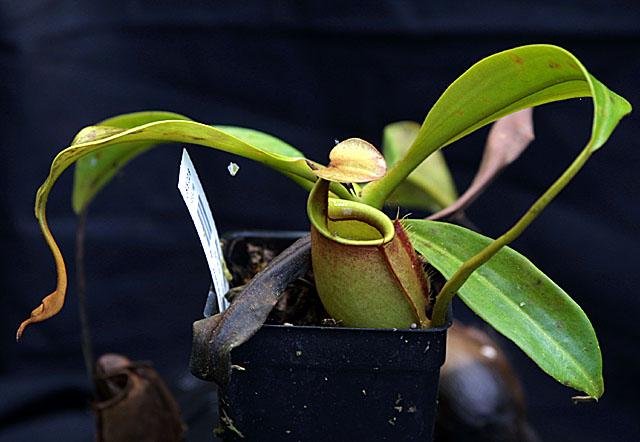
(508, 138)
(216, 336)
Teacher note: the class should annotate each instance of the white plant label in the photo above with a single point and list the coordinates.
(196, 201)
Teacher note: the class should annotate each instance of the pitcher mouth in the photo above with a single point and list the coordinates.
(347, 222)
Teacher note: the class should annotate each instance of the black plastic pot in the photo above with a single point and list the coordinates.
(317, 383)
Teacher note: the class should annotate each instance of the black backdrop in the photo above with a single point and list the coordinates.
(308, 72)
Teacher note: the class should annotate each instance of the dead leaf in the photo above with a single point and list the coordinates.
(216, 336)
(507, 139)
(52, 303)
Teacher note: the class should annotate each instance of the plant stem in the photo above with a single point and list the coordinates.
(468, 267)
(85, 334)
(377, 192)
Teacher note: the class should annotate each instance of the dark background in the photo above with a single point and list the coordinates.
(308, 72)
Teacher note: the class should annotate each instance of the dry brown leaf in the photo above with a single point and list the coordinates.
(507, 139)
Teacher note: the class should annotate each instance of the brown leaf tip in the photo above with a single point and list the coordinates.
(35, 314)
(23, 325)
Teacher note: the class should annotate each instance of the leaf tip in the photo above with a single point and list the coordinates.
(23, 325)
(50, 306)
(77, 204)
(31, 319)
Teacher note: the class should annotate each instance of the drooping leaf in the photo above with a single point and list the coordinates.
(216, 336)
(262, 140)
(275, 145)
(508, 138)
(97, 138)
(519, 301)
(95, 170)
(499, 85)
(353, 161)
(430, 186)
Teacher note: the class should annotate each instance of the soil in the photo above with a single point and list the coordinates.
(298, 305)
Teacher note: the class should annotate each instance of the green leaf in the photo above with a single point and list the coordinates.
(430, 186)
(95, 139)
(520, 302)
(270, 144)
(95, 170)
(262, 141)
(496, 86)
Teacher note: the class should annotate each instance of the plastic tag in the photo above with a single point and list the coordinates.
(196, 201)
